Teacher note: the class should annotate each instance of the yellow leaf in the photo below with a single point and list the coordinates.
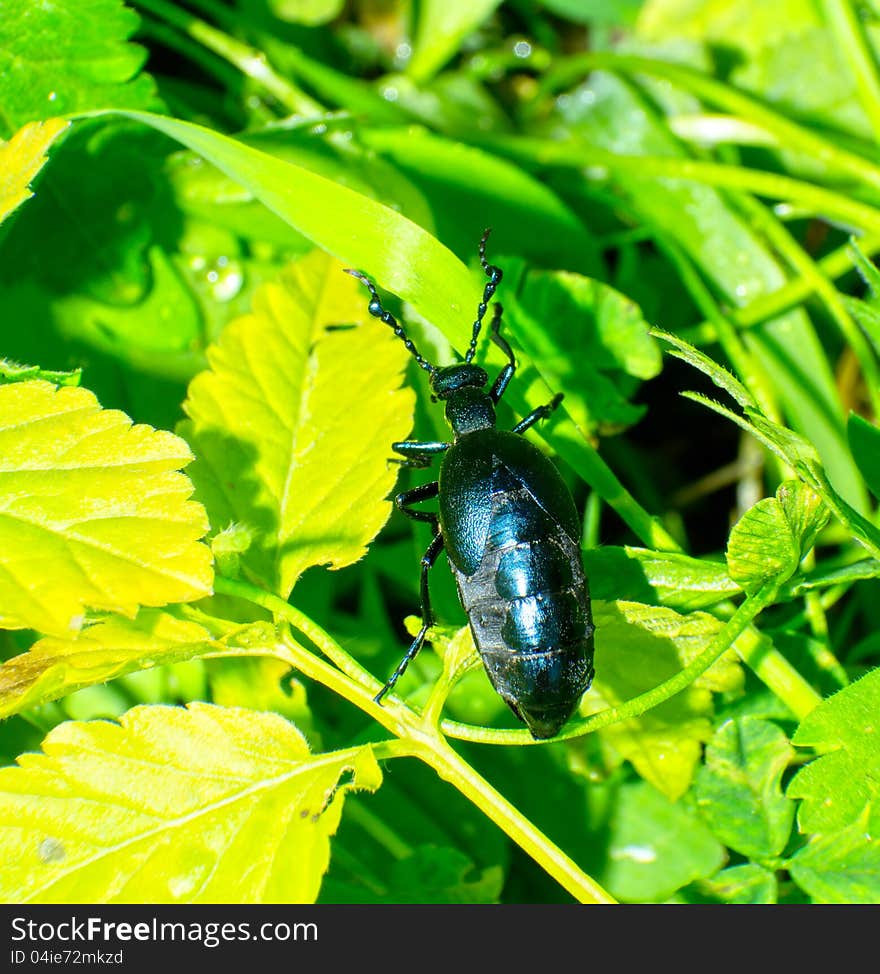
(94, 512)
(292, 424)
(199, 805)
(21, 158)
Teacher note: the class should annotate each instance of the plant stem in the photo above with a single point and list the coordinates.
(789, 248)
(452, 768)
(580, 155)
(416, 737)
(776, 673)
(858, 56)
(789, 134)
(785, 298)
(248, 60)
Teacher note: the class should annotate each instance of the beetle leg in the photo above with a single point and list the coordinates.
(428, 559)
(424, 492)
(506, 374)
(542, 412)
(417, 454)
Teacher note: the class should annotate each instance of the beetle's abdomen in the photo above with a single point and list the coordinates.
(529, 609)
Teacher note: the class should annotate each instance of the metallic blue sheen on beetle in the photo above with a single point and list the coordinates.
(511, 533)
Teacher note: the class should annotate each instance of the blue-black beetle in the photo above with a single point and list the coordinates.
(511, 533)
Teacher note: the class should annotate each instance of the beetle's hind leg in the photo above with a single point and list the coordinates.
(542, 412)
(424, 492)
(428, 559)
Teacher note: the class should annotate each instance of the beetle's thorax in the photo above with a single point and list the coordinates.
(469, 410)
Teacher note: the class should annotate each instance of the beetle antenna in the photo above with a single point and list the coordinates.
(377, 311)
(494, 274)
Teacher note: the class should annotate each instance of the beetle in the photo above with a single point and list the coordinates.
(510, 529)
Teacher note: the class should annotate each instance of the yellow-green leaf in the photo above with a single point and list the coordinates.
(293, 423)
(21, 158)
(94, 512)
(54, 667)
(638, 647)
(172, 805)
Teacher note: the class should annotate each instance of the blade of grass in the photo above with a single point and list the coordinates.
(846, 28)
(788, 133)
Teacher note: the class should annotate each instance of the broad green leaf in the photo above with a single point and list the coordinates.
(94, 512)
(592, 343)
(218, 199)
(864, 441)
(292, 425)
(68, 56)
(428, 874)
(398, 254)
(675, 580)
(440, 875)
(21, 158)
(769, 540)
(13, 372)
(836, 786)
(843, 867)
(442, 25)
(804, 511)
(172, 805)
(655, 847)
(54, 667)
(738, 788)
(748, 883)
(637, 648)
(471, 189)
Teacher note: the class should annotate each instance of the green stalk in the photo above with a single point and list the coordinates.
(582, 155)
(772, 305)
(789, 248)
(453, 769)
(788, 134)
(858, 56)
(251, 62)
(776, 673)
(416, 737)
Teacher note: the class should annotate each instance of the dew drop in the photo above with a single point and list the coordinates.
(51, 850)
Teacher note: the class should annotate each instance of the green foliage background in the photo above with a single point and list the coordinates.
(202, 583)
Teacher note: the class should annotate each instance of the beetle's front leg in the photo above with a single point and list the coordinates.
(502, 380)
(541, 412)
(417, 453)
(428, 559)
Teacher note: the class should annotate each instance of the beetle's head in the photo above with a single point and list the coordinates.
(448, 380)
(468, 407)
